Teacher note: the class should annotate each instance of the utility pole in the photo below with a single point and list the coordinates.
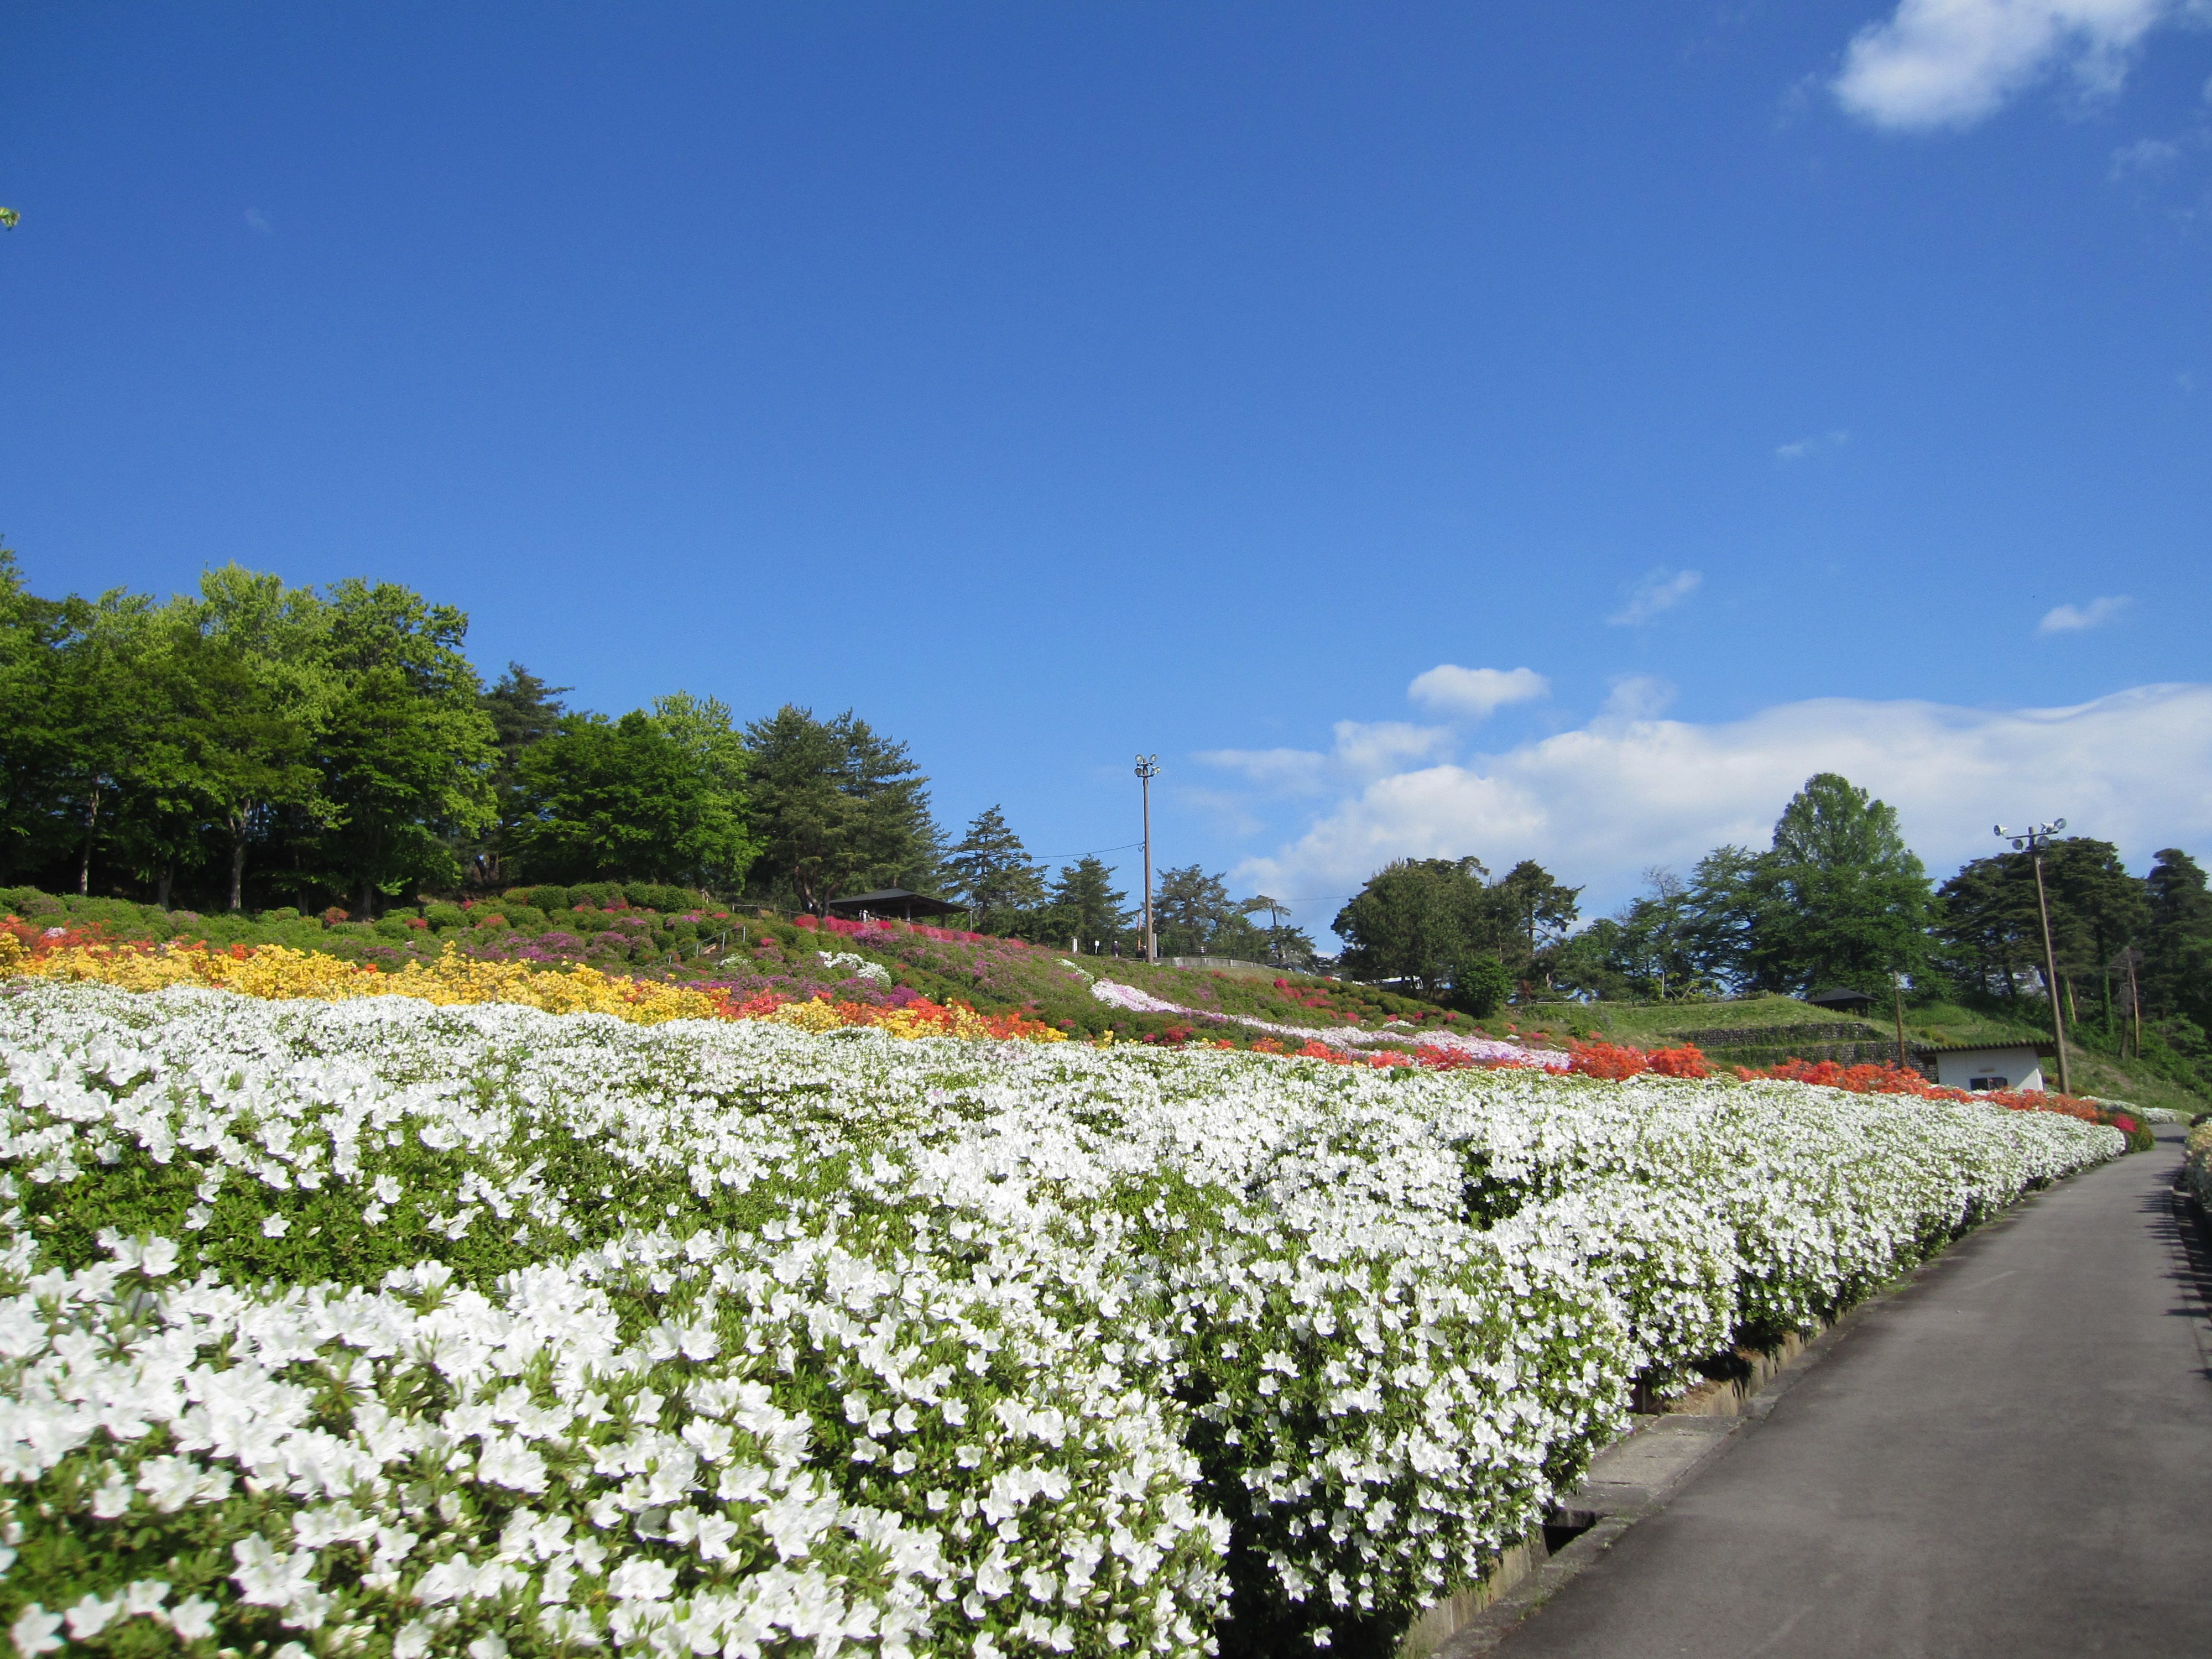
(1148, 767)
(1897, 991)
(2032, 840)
(2134, 998)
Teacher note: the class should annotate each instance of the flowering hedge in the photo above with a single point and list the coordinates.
(1887, 1080)
(278, 972)
(376, 1326)
(2197, 1166)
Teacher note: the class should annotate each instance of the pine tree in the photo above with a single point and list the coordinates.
(1087, 907)
(836, 809)
(2178, 948)
(992, 871)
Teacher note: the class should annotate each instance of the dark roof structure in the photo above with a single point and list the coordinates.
(1843, 1000)
(897, 902)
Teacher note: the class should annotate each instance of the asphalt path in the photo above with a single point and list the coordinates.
(2010, 1456)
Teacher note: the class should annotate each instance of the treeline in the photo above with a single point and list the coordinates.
(255, 746)
(1836, 900)
(1193, 913)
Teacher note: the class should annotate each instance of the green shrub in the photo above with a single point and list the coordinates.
(654, 895)
(446, 915)
(285, 913)
(548, 898)
(1479, 987)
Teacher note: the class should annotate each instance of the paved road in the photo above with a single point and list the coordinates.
(2011, 1457)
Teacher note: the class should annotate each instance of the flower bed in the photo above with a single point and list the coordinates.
(2197, 1166)
(374, 1324)
(1887, 1080)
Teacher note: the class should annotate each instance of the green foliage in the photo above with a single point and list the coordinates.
(2176, 966)
(406, 750)
(1418, 919)
(838, 809)
(1481, 986)
(992, 871)
(524, 710)
(627, 795)
(1856, 897)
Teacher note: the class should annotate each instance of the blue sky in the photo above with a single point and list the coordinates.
(1542, 431)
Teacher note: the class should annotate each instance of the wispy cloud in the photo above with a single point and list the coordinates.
(1637, 697)
(1803, 449)
(2073, 618)
(1475, 693)
(1660, 591)
(1952, 62)
(1364, 749)
(257, 221)
(1598, 803)
(2145, 155)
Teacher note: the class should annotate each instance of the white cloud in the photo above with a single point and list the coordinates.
(1952, 62)
(1364, 749)
(1800, 449)
(2145, 155)
(2073, 618)
(1661, 589)
(1598, 804)
(258, 221)
(1637, 697)
(1476, 693)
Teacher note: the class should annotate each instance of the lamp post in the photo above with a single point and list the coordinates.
(2032, 840)
(1148, 767)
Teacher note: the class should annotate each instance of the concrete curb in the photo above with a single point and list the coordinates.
(1637, 1475)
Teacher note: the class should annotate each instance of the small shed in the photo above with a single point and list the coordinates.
(1842, 1000)
(1979, 1067)
(894, 901)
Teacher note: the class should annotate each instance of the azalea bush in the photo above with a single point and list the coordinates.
(1869, 1078)
(380, 1326)
(2197, 1166)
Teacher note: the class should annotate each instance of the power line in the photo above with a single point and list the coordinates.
(1088, 852)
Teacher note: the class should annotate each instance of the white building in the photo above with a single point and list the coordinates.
(1977, 1067)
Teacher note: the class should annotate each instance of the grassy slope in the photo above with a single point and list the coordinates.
(752, 953)
(2095, 1070)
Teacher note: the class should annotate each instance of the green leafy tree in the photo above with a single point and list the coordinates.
(624, 800)
(1843, 901)
(1586, 962)
(406, 749)
(35, 727)
(1423, 919)
(703, 728)
(993, 872)
(1650, 945)
(102, 706)
(1482, 986)
(250, 695)
(1724, 917)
